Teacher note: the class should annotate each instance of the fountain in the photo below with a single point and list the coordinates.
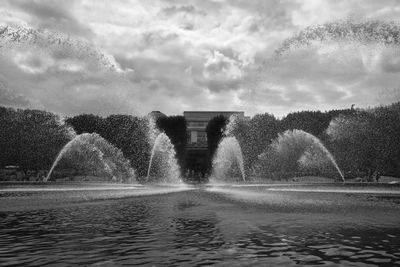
(228, 152)
(214, 225)
(14, 36)
(231, 126)
(152, 130)
(96, 153)
(62, 153)
(297, 147)
(163, 161)
(308, 154)
(366, 32)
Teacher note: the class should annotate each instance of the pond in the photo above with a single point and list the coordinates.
(197, 226)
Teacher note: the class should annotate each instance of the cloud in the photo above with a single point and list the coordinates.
(329, 76)
(188, 9)
(136, 56)
(10, 98)
(58, 73)
(52, 15)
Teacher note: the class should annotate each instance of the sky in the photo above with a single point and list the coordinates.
(132, 57)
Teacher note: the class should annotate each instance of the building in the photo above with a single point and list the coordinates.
(197, 157)
(197, 153)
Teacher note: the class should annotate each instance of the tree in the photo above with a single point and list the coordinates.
(93, 155)
(352, 141)
(295, 152)
(313, 122)
(263, 129)
(129, 134)
(387, 125)
(85, 123)
(9, 145)
(175, 127)
(254, 136)
(367, 142)
(31, 138)
(214, 130)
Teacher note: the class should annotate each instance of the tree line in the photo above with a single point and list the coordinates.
(363, 141)
(32, 139)
(126, 132)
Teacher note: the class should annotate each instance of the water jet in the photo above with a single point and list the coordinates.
(163, 161)
(228, 152)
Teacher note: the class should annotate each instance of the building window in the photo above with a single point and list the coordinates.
(193, 137)
(202, 137)
(197, 124)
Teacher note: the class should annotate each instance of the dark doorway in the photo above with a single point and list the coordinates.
(196, 165)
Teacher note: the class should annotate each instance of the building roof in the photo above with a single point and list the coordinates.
(213, 111)
(210, 114)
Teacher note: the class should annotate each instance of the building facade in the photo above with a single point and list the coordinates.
(197, 157)
(197, 149)
(197, 123)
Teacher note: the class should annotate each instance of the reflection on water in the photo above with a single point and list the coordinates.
(193, 228)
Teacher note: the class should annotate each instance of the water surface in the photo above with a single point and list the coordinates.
(222, 225)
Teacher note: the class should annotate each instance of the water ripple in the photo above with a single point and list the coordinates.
(188, 228)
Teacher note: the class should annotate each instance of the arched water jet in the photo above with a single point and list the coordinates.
(231, 126)
(12, 36)
(164, 156)
(153, 131)
(228, 152)
(319, 144)
(73, 62)
(362, 32)
(380, 34)
(299, 147)
(61, 154)
(98, 152)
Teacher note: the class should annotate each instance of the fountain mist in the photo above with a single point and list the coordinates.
(163, 160)
(12, 36)
(363, 32)
(62, 152)
(228, 152)
(97, 154)
(326, 152)
(300, 142)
